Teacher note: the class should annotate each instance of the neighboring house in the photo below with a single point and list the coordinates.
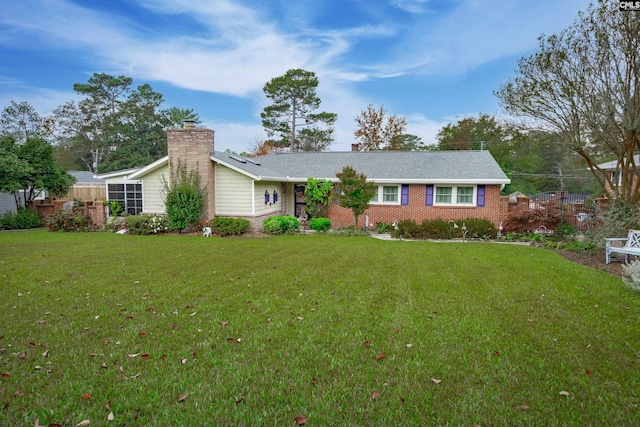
(420, 185)
(7, 203)
(613, 169)
(87, 188)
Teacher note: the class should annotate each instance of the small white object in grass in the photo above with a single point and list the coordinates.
(300, 318)
(409, 345)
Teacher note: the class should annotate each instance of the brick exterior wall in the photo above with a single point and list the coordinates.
(495, 210)
(192, 146)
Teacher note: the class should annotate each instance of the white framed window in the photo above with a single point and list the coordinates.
(455, 195)
(387, 194)
(128, 194)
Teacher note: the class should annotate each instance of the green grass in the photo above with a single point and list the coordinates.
(505, 328)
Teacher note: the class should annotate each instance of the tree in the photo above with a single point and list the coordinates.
(584, 84)
(406, 142)
(317, 196)
(31, 168)
(21, 121)
(114, 126)
(294, 105)
(472, 133)
(354, 192)
(177, 116)
(184, 198)
(265, 147)
(377, 130)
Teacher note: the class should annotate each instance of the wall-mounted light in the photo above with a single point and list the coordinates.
(275, 196)
(266, 197)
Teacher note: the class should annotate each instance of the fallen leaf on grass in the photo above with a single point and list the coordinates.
(182, 397)
(497, 353)
(565, 393)
(142, 335)
(32, 344)
(223, 324)
(314, 380)
(37, 368)
(239, 401)
(524, 407)
(588, 372)
(110, 417)
(133, 377)
(375, 395)
(36, 423)
(121, 370)
(45, 354)
(164, 356)
(84, 423)
(104, 365)
(134, 355)
(86, 396)
(380, 356)
(149, 309)
(367, 343)
(183, 361)
(145, 356)
(193, 314)
(300, 420)
(108, 405)
(18, 393)
(5, 375)
(436, 381)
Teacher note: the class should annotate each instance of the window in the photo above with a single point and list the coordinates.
(387, 194)
(129, 195)
(464, 195)
(443, 195)
(451, 195)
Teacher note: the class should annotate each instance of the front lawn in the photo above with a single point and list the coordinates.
(189, 331)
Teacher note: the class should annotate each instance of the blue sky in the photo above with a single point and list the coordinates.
(431, 61)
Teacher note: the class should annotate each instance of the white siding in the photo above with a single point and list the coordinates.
(271, 207)
(234, 192)
(152, 201)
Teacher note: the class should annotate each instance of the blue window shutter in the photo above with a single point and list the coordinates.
(405, 195)
(429, 198)
(480, 199)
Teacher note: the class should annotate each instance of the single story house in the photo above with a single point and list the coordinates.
(421, 185)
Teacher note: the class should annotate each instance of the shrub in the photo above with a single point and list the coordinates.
(320, 224)
(613, 220)
(184, 197)
(480, 228)
(229, 226)
(436, 229)
(441, 229)
(75, 219)
(384, 227)
(281, 224)
(633, 272)
(351, 231)
(23, 219)
(407, 229)
(145, 224)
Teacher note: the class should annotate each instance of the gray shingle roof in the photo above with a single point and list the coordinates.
(477, 167)
(85, 177)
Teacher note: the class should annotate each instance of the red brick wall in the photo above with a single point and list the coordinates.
(192, 146)
(495, 210)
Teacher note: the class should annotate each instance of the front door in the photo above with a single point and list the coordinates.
(299, 203)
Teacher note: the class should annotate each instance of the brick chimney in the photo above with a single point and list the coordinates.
(191, 146)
